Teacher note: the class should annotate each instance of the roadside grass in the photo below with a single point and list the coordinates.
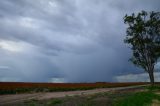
(54, 102)
(34, 102)
(99, 99)
(153, 88)
(140, 98)
(137, 99)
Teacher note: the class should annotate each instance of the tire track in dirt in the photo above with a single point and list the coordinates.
(9, 99)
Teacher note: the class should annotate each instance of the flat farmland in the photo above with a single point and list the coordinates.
(79, 94)
(70, 94)
(23, 87)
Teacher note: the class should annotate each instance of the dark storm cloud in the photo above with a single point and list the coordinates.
(80, 40)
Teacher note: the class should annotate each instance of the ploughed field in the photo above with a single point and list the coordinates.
(23, 87)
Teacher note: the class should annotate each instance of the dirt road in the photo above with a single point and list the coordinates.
(8, 99)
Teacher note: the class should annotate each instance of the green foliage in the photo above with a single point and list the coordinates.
(32, 102)
(54, 102)
(143, 35)
(137, 99)
(153, 88)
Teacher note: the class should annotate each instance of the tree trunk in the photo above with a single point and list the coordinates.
(151, 76)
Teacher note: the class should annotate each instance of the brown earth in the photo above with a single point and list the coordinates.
(13, 98)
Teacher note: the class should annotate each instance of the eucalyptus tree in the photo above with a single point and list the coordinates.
(143, 37)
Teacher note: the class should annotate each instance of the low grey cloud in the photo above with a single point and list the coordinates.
(141, 77)
(75, 40)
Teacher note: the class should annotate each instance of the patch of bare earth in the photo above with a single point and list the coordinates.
(155, 102)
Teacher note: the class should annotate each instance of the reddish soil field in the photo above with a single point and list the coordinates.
(15, 85)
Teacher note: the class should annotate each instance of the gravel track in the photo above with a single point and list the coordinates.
(9, 99)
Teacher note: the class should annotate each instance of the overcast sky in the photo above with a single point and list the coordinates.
(66, 40)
